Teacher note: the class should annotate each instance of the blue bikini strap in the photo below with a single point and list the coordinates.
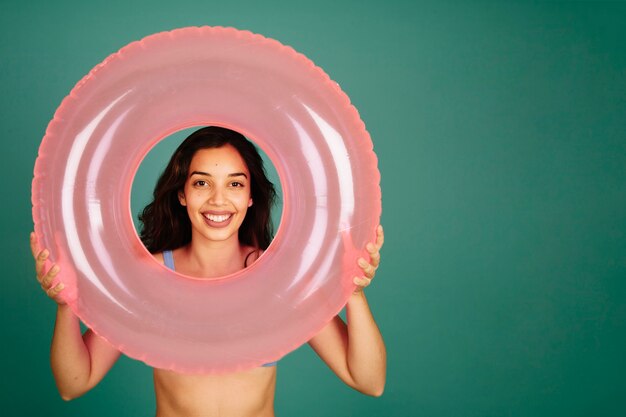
(168, 259)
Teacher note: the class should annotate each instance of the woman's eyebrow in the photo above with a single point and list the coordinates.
(238, 174)
(206, 174)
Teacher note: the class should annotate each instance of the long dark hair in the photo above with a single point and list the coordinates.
(165, 222)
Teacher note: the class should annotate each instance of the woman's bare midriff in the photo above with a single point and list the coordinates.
(240, 394)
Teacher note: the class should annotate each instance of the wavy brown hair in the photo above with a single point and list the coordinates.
(165, 222)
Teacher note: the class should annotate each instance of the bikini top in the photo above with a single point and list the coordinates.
(168, 260)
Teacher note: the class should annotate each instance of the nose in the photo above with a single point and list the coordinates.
(217, 196)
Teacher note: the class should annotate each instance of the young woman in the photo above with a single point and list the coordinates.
(211, 217)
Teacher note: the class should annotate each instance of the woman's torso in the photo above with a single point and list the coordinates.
(240, 394)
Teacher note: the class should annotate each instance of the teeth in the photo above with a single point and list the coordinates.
(217, 218)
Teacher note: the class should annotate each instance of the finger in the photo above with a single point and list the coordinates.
(380, 237)
(374, 254)
(47, 279)
(34, 247)
(54, 291)
(368, 269)
(40, 262)
(362, 281)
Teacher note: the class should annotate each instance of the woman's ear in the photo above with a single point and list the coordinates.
(181, 198)
(250, 203)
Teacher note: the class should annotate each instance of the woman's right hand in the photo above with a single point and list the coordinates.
(46, 278)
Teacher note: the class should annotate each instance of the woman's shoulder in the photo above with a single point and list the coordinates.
(162, 257)
(167, 257)
(251, 255)
(159, 257)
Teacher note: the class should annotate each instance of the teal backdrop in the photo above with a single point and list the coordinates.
(501, 135)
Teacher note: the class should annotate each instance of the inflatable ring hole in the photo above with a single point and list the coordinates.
(154, 163)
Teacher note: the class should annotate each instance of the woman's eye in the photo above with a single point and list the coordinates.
(200, 183)
(236, 184)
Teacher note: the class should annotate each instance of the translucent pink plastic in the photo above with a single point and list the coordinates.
(198, 77)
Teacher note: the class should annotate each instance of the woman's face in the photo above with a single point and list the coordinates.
(217, 193)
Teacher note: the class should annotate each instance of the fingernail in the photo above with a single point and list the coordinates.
(45, 253)
(54, 269)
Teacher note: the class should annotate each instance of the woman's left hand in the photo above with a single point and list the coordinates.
(369, 268)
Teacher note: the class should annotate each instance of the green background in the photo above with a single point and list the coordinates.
(501, 136)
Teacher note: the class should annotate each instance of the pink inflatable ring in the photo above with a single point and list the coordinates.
(197, 77)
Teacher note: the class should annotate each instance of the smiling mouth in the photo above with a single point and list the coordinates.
(217, 218)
